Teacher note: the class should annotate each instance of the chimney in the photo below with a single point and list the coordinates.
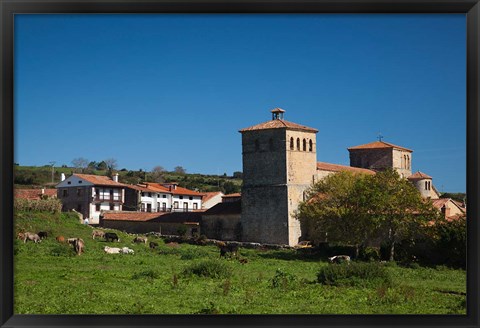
(62, 177)
(115, 177)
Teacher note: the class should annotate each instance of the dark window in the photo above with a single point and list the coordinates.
(164, 196)
(195, 206)
(65, 193)
(291, 144)
(164, 207)
(304, 145)
(190, 197)
(298, 143)
(97, 207)
(69, 182)
(181, 197)
(426, 185)
(80, 181)
(185, 206)
(112, 206)
(175, 204)
(142, 207)
(310, 145)
(79, 192)
(149, 194)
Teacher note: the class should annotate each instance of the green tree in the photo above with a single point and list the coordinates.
(356, 208)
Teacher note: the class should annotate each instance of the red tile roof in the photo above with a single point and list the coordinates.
(99, 180)
(439, 203)
(232, 195)
(279, 124)
(338, 168)
(419, 176)
(378, 145)
(209, 195)
(129, 216)
(33, 194)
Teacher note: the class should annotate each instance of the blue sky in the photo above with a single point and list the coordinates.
(173, 90)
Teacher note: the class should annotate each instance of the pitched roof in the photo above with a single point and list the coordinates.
(159, 187)
(225, 208)
(166, 217)
(100, 180)
(322, 166)
(419, 176)
(439, 203)
(209, 195)
(232, 195)
(378, 145)
(279, 124)
(33, 194)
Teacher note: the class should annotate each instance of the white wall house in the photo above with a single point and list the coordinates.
(90, 195)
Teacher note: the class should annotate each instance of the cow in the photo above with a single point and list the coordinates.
(153, 245)
(98, 233)
(112, 250)
(140, 240)
(60, 239)
(71, 241)
(21, 235)
(230, 248)
(78, 245)
(111, 236)
(339, 259)
(42, 234)
(31, 236)
(126, 250)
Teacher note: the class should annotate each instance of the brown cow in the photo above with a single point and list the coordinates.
(60, 239)
(79, 245)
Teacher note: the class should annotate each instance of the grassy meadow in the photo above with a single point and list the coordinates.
(189, 279)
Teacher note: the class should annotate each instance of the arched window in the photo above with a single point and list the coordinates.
(426, 185)
(408, 163)
(257, 145)
(304, 145)
(291, 144)
(298, 143)
(429, 185)
(270, 143)
(404, 161)
(310, 145)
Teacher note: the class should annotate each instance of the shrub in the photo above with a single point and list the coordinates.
(209, 268)
(283, 279)
(353, 274)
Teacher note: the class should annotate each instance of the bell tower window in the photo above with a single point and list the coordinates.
(291, 144)
(304, 145)
(298, 143)
(310, 145)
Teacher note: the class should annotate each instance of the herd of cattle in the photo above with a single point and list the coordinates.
(79, 245)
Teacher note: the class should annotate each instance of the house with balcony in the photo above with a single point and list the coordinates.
(161, 197)
(91, 194)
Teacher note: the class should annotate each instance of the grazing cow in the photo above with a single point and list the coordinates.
(111, 236)
(71, 241)
(140, 240)
(60, 239)
(153, 245)
(42, 234)
(98, 233)
(31, 236)
(78, 245)
(112, 250)
(230, 248)
(339, 259)
(126, 250)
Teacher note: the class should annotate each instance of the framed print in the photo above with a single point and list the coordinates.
(245, 163)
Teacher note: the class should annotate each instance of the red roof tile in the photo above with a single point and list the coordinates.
(209, 195)
(33, 194)
(175, 191)
(279, 124)
(129, 216)
(378, 145)
(338, 168)
(99, 180)
(418, 176)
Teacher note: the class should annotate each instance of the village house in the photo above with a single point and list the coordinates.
(89, 195)
(161, 197)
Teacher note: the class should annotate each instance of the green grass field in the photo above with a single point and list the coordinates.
(51, 279)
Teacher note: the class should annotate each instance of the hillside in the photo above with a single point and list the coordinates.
(40, 176)
(188, 279)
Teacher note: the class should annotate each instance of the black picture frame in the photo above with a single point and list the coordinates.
(8, 9)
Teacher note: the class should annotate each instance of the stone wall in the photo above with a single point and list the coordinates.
(404, 168)
(76, 196)
(371, 158)
(222, 227)
(146, 226)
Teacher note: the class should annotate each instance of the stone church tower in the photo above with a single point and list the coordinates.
(380, 155)
(279, 164)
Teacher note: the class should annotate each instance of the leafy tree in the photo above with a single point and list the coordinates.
(80, 163)
(354, 209)
(179, 170)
